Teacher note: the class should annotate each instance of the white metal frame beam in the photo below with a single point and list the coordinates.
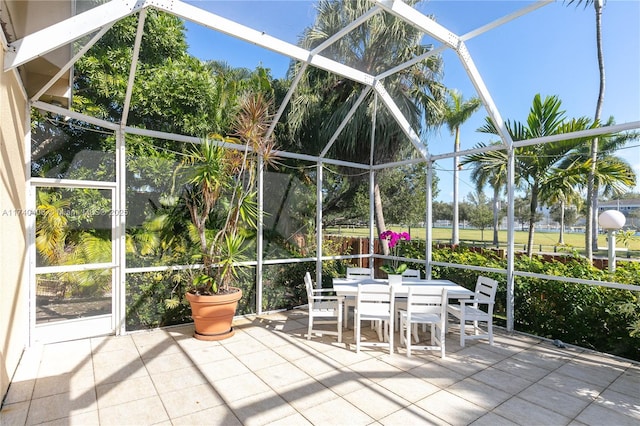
(65, 32)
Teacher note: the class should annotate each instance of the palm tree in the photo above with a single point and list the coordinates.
(322, 97)
(537, 164)
(489, 168)
(591, 242)
(456, 112)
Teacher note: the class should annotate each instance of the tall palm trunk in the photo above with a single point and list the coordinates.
(455, 237)
(591, 229)
(379, 215)
(561, 239)
(532, 219)
(496, 212)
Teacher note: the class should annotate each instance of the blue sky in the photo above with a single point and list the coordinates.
(550, 51)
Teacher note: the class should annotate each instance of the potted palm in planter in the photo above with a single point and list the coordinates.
(220, 196)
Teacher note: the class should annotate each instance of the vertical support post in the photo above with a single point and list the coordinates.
(319, 233)
(260, 239)
(510, 237)
(30, 222)
(612, 250)
(372, 182)
(119, 273)
(429, 221)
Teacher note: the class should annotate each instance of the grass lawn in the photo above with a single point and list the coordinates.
(547, 239)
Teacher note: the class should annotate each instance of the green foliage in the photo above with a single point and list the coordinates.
(600, 318)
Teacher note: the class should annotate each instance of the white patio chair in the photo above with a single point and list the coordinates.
(425, 305)
(401, 302)
(477, 309)
(326, 308)
(374, 302)
(349, 301)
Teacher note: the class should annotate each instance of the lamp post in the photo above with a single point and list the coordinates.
(611, 220)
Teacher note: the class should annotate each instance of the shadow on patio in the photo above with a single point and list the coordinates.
(269, 373)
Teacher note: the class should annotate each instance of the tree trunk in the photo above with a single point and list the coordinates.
(561, 239)
(591, 236)
(496, 213)
(455, 235)
(532, 220)
(379, 216)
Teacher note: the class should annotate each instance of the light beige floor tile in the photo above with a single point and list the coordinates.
(61, 405)
(20, 390)
(409, 387)
(90, 418)
(523, 369)
(544, 357)
(244, 346)
(451, 408)
(188, 401)
(110, 394)
(502, 380)
(306, 394)
(376, 401)
(216, 416)
(569, 385)
(481, 394)
(207, 354)
(347, 356)
(14, 414)
(492, 419)
(281, 375)
(261, 409)
(146, 411)
(555, 400)
(336, 412)
(590, 372)
(178, 379)
(262, 359)
(63, 383)
(215, 371)
(411, 415)
(295, 419)
(117, 365)
(343, 381)
(628, 382)
(167, 362)
(154, 343)
(436, 374)
(316, 364)
(375, 369)
(526, 413)
(598, 415)
(628, 404)
(113, 343)
(29, 364)
(293, 351)
(240, 387)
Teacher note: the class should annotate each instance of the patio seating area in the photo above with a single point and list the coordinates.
(269, 373)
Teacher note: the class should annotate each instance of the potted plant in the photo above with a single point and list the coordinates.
(395, 269)
(220, 196)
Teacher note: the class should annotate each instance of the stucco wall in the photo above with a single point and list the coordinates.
(14, 314)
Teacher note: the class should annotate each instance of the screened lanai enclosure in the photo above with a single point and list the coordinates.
(110, 241)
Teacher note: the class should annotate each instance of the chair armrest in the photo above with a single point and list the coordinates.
(328, 298)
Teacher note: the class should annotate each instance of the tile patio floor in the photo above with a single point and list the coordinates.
(268, 373)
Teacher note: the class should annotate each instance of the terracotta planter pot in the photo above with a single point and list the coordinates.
(213, 315)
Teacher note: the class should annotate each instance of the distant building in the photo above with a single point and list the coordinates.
(624, 206)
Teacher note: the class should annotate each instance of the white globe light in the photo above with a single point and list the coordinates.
(611, 219)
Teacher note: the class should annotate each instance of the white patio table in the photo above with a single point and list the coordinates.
(349, 286)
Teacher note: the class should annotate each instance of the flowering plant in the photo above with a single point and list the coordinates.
(394, 239)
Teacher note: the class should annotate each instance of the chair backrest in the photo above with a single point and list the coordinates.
(375, 299)
(411, 273)
(485, 289)
(426, 300)
(359, 273)
(309, 284)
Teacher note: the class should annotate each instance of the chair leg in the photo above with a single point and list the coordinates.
(490, 331)
(357, 329)
(407, 339)
(339, 323)
(310, 327)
